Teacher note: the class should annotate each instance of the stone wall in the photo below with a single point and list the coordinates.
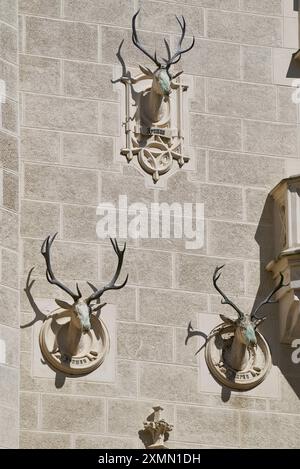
(9, 226)
(244, 134)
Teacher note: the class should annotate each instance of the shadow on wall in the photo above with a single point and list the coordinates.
(281, 353)
(191, 332)
(294, 68)
(60, 378)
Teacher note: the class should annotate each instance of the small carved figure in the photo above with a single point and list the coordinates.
(156, 430)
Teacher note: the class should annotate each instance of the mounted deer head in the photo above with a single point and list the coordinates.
(244, 326)
(162, 76)
(81, 309)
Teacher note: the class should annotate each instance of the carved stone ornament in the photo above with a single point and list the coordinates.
(156, 111)
(156, 430)
(218, 356)
(91, 348)
(236, 354)
(73, 339)
(286, 196)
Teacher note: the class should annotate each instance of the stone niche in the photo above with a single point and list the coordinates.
(286, 197)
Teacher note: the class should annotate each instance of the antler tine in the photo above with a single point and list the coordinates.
(268, 300)
(179, 51)
(169, 55)
(225, 301)
(45, 251)
(182, 26)
(168, 50)
(111, 285)
(139, 45)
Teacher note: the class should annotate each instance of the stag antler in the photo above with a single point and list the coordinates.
(225, 300)
(172, 60)
(45, 250)
(111, 285)
(137, 43)
(268, 300)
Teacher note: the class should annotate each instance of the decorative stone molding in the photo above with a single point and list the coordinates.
(236, 354)
(286, 217)
(156, 430)
(218, 356)
(42, 367)
(72, 339)
(156, 112)
(91, 349)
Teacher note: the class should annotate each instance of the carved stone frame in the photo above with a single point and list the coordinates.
(165, 146)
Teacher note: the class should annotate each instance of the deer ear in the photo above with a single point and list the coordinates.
(177, 75)
(146, 71)
(63, 304)
(227, 320)
(97, 307)
(259, 321)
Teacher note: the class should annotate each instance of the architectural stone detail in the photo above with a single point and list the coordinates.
(286, 197)
(156, 112)
(218, 355)
(156, 430)
(92, 348)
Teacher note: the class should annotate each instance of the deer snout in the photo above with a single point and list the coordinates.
(86, 325)
(250, 336)
(82, 312)
(162, 83)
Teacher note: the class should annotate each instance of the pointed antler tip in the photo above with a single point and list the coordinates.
(136, 13)
(78, 291)
(225, 300)
(269, 300)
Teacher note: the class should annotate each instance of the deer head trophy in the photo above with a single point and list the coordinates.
(80, 311)
(162, 76)
(154, 119)
(245, 325)
(236, 353)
